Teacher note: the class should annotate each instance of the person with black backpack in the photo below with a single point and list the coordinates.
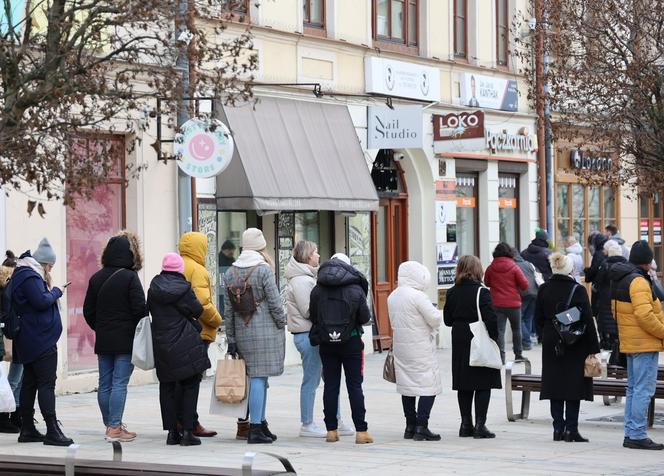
(338, 309)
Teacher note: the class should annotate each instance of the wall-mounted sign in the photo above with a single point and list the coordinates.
(657, 231)
(446, 190)
(489, 92)
(464, 125)
(446, 253)
(401, 79)
(578, 160)
(466, 202)
(503, 140)
(398, 128)
(204, 147)
(507, 202)
(644, 228)
(446, 275)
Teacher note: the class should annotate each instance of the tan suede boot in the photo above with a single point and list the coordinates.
(332, 436)
(363, 437)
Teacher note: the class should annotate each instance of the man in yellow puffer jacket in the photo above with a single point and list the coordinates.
(193, 248)
(641, 334)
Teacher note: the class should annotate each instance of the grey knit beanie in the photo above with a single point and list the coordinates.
(44, 253)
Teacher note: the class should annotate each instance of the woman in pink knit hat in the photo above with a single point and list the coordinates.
(179, 351)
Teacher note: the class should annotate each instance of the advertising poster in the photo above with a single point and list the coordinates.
(644, 229)
(445, 214)
(489, 92)
(446, 253)
(446, 275)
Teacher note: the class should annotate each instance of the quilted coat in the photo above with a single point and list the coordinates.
(506, 281)
(193, 247)
(415, 322)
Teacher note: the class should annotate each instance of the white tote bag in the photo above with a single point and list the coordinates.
(7, 402)
(484, 351)
(142, 355)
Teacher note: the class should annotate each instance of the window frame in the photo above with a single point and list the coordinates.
(312, 28)
(388, 42)
(517, 209)
(464, 55)
(476, 211)
(506, 41)
(659, 257)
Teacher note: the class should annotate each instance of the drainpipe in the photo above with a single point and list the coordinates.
(540, 109)
(548, 144)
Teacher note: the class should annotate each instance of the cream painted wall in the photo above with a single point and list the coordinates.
(439, 29)
(278, 60)
(280, 15)
(629, 219)
(353, 18)
(485, 53)
(350, 70)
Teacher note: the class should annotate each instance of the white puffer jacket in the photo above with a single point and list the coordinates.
(415, 322)
(301, 279)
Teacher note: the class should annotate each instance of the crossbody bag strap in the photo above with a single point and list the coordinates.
(107, 280)
(571, 295)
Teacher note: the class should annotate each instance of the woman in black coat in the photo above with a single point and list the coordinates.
(180, 354)
(563, 380)
(460, 310)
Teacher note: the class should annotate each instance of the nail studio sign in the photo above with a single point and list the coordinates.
(581, 162)
(398, 128)
(203, 147)
(505, 141)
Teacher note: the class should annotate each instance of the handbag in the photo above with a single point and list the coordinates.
(230, 382)
(142, 354)
(232, 410)
(7, 402)
(568, 323)
(484, 351)
(592, 367)
(539, 278)
(388, 368)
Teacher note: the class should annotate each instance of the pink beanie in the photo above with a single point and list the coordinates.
(173, 262)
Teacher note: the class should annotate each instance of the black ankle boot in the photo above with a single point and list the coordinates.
(422, 433)
(481, 431)
(256, 435)
(29, 433)
(15, 419)
(188, 439)
(174, 438)
(267, 432)
(6, 425)
(575, 437)
(466, 429)
(54, 435)
(409, 432)
(558, 435)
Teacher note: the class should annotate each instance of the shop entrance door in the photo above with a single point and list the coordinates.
(390, 249)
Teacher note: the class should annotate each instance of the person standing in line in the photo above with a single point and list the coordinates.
(193, 247)
(15, 375)
(415, 323)
(527, 301)
(6, 425)
(258, 336)
(35, 345)
(563, 380)
(114, 304)
(606, 321)
(471, 383)
(575, 251)
(538, 253)
(338, 309)
(611, 232)
(506, 281)
(179, 351)
(596, 242)
(641, 332)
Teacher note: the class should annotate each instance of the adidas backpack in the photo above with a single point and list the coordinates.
(335, 321)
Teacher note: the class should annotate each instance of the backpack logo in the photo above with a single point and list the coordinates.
(335, 336)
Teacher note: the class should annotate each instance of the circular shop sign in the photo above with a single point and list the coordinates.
(204, 147)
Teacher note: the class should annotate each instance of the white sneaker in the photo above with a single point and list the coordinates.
(344, 430)
(312, 431)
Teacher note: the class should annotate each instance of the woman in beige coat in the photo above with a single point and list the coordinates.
(415, 322)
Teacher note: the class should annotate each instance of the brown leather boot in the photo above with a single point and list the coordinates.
(242, 430)
(363, 438)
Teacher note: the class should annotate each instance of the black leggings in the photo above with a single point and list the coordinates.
(39, 381)
(482, 398)
(424, 405)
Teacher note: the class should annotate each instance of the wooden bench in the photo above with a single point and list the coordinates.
(528, 383)
(619, 372)
(381, 343)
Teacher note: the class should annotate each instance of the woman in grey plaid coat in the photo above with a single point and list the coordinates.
(258, 337)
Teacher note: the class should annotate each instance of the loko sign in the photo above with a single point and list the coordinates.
(464, 125)
(578, 161)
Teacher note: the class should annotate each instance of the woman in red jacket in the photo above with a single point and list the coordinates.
(506, 279)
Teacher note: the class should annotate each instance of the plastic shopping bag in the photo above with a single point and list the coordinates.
(233, 410)
(143, 354)
(7, 403)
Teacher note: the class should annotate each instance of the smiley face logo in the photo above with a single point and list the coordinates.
(201, 147)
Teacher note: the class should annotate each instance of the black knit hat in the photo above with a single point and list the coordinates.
(641, 253)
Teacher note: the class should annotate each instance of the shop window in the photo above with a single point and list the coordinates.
(508, 208)
(467, 225)
(650, 223)
(502, 32)
(461, 28)
(314, 14)
(396, 21)
(90, 223)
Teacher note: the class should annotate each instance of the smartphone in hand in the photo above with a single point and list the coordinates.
(66, 284)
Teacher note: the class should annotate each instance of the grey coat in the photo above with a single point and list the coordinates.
(261, 342)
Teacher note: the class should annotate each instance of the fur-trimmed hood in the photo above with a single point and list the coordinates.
(123, 251)
(5, 274)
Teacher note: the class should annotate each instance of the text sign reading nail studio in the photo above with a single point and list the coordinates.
(398, 128)
(401, 79)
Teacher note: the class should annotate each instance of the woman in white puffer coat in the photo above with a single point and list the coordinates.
(415, 322)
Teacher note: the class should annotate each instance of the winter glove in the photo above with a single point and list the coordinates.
(232, 349)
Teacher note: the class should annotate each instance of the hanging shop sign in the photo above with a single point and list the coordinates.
(506, 141)
(401, 79)
(489, 92)
(204, 147)
(464, 125)
(581, 161)
(398, 128)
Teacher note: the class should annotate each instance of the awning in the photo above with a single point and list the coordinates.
(294, 155)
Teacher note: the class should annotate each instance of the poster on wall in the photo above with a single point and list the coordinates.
(657, 231)
(644, 229)
(446, 253)
(451, 233)
(446, 275)
(489, 92)
(445, 214)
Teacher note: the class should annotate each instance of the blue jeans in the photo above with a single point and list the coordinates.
(15, 379)
(641, 383)
(257, 399)
(114, 373)
(527, 315)
(312, 369)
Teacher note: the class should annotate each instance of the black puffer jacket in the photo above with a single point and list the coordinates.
(179, 350)
(606, 322)
(115, 300)
(538, 253)
(339, 281)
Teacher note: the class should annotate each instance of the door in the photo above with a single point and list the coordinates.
(390, 243)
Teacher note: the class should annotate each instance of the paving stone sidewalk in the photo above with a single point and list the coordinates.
(521, 448)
